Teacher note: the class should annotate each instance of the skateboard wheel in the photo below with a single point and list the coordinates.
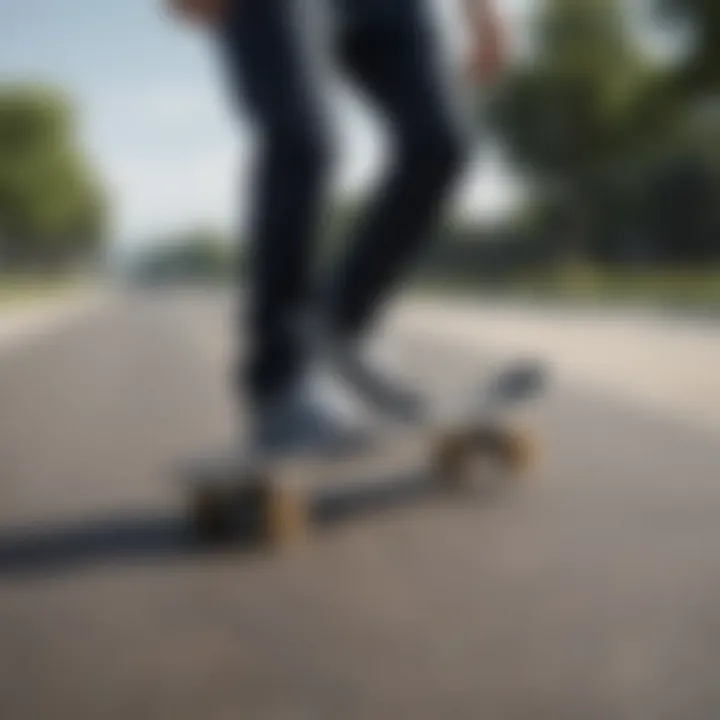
(286, 516)
(520, 451)
(457, 456)
(452, 460)
(211, 514)
(254, 511)
(515, 449)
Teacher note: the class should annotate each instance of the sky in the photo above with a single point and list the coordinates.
(158, 122)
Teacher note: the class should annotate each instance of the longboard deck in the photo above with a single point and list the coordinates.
(278, 499)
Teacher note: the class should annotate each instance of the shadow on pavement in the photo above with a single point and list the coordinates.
(62, 547)
(38, 549)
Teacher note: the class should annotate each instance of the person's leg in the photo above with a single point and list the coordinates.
(389, 50)
(268, 69)
(271, 72)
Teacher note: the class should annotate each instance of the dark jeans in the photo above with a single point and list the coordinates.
(386, 47)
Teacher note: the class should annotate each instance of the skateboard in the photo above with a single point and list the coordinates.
(277, 500)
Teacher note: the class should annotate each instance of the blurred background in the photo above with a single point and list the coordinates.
(586, 232)
(596, 171)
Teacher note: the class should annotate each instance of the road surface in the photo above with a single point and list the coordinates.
(592, 591)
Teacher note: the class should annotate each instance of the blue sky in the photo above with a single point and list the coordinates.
(157, 120)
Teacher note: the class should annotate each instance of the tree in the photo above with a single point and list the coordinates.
(577, 112)
(700, 72)
(685, 189)
(579, 100)
(52, 207)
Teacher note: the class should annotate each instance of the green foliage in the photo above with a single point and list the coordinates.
(625, 153)
(586, 96)
(52, 207)
(701, 70)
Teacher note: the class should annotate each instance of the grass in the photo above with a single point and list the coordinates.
(697, 288)
(22, 290)
(698, 285)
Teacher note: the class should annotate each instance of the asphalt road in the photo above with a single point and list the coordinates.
(590, 591)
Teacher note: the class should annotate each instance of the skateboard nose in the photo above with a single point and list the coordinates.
(522, 381)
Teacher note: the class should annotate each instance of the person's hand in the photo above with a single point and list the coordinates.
(488, 55)
(205, 12)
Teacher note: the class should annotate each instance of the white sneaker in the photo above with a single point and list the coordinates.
(347, 360)
(303, 422)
